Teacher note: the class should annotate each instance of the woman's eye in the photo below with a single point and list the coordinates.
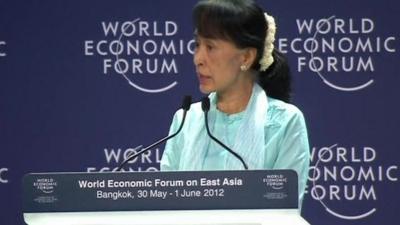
(207, 46)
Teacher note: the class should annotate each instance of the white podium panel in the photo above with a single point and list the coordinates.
(185, 217)
(257, 197)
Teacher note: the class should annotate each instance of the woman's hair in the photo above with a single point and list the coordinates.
(243, 23)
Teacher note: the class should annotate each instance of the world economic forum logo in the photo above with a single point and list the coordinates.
(341, 51)
(45, 185)
(275, 184)
(347, 181)
(148, 55)
(114, 156)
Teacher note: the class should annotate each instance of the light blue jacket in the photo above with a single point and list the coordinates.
(286, 140)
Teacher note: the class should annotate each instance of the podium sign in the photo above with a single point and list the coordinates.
(59, 192)
(94, 198)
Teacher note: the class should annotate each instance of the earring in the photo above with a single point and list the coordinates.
(243, 68)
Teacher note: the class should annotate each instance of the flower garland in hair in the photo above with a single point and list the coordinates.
(267, 59)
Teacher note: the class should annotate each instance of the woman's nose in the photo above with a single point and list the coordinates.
(198, 57)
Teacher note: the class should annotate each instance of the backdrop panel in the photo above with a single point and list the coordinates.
(82, 83)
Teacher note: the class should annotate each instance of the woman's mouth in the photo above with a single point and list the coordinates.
(203, 78)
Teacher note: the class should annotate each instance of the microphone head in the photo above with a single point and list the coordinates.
(187, 101)
(205, 104)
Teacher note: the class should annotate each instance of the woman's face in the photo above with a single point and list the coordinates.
(217, 64)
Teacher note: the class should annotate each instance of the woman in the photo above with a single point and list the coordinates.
(249, 86)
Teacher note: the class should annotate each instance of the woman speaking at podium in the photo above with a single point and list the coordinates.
(248, 84)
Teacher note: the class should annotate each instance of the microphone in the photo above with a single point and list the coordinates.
(187, 101)
(205, 106)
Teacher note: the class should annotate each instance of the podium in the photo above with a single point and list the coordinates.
(265, 197)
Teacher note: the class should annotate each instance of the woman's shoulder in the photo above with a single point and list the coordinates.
(194, 112)
(280, 112)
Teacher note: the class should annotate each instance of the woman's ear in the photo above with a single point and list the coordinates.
(249, 56)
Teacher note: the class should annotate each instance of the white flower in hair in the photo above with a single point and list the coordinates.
(267, 59)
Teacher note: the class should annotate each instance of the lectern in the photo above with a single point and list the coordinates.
(264, 197)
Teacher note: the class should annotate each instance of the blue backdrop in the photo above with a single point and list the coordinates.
(82, 83)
